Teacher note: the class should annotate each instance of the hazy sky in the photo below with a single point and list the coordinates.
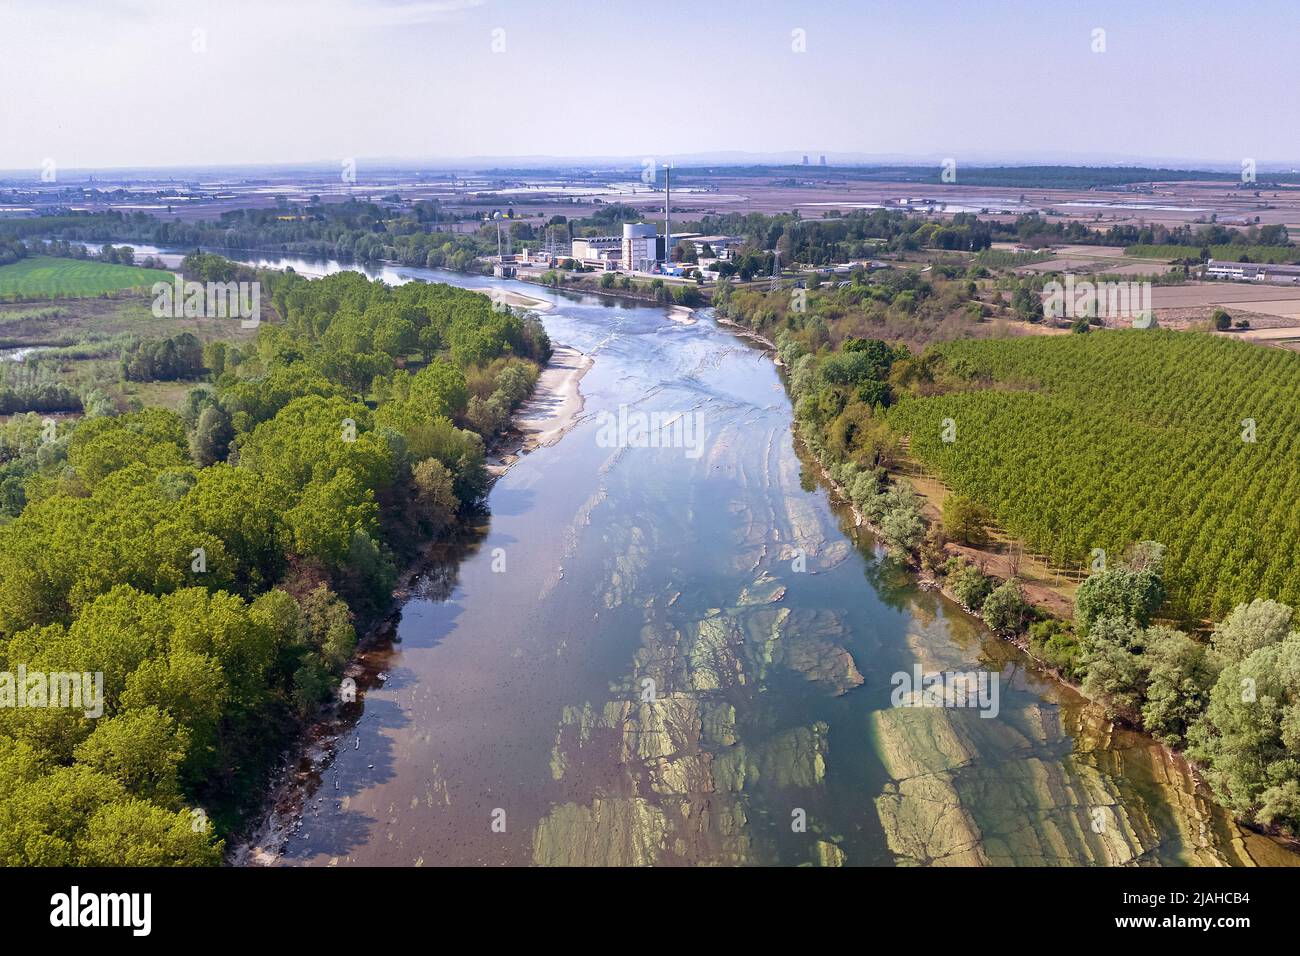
(101, 83)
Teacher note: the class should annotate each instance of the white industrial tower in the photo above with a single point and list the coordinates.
(668, 198)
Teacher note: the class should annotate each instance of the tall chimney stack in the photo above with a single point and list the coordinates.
(668, 231)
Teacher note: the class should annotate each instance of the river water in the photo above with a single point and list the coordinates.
(686, 655)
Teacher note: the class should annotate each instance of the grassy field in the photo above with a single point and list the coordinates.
(48, 278)
(82, 339)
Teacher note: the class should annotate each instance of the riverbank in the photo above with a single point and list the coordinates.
(1042, 602)
(542, 419)
(748, 333)
(520, 301)
(553, 409)
(622, 294)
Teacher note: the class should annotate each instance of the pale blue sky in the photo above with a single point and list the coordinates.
(95, 83)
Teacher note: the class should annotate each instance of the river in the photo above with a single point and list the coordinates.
(686, 655)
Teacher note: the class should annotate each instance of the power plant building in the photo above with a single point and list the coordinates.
(640, 246)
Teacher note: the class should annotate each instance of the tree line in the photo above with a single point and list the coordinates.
(216, 563)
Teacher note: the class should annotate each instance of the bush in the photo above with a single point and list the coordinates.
(1055, 643)
(1005, 610)
(970, 587)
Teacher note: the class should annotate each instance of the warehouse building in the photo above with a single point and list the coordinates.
(1252, 271)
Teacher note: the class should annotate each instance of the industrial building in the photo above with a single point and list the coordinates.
(598, 252)
(1252, 271)
(640, 246)
(641, 249)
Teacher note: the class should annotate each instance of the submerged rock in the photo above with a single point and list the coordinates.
(610, 832)
(792, 758)
(713, 660)
(765, 590)
(826, 853)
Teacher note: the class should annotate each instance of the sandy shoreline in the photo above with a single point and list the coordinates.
(543, 419)
(556, 403)
(520, 301)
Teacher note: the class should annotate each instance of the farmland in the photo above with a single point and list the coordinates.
(1096, 441)
(1230, 253)
(45, 277)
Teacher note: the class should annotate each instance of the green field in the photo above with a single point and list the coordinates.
(1239, 253)
(1096, 441)
(43, 277)
(1006, 259)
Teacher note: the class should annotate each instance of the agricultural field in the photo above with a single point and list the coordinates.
(1094, 260)
(1228, 253)
(45, 277)
(1097, 441)
(1008, 259)
(1264, 305)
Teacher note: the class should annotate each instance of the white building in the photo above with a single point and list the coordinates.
(640, 241)
(1253, 271)
(591, 247)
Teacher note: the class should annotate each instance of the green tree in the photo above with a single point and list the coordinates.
(1119, 593)
(142, 834)
(436, 493)
(1115, 674)
(1250, 627)
(966, 520)
(969, 586)
(141, 749)
(1180, 675)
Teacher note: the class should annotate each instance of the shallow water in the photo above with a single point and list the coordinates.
(516, 724)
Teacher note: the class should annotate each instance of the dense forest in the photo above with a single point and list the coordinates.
(216, 563)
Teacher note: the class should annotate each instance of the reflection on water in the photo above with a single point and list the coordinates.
(648, 657)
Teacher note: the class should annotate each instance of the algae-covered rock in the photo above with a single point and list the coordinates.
(925, 824)
(971, 790)
(689, 773)
(911, 741)
(824, 663)
(717, 724)
(796, 757)
(765, 590)
(713, 661)
(611, 832)
(806, 641)
(826, 853)
(792, 758)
